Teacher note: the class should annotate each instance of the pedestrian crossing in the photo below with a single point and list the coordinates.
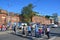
(44, 37)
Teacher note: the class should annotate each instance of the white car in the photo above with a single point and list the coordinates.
(53, 25)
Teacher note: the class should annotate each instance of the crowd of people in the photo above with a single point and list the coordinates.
(3, 27)
(38, 31)
(45, 30)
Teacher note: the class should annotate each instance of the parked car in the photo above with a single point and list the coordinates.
(53, 25)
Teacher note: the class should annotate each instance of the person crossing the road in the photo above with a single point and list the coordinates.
(29, 29)
(48, 31)
(36, 30)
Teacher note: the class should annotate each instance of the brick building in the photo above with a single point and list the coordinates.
(13, 18)
(5, 18)
(3, 15)
(41, 20)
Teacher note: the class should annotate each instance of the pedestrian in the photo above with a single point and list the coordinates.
(36, 31)
(48, 31)
(40, 32)
(14, 27)
(43, 29)
(4, 28)
(29, 30)
(23, 30)
(0, 27)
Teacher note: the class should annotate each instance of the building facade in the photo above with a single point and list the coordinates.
(59, 20)
(41, 20)
(3, 15)
(5, 18)
(11, 17)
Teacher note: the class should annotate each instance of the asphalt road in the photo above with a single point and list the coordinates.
(55, 31)
(54, 35)
(11, 37)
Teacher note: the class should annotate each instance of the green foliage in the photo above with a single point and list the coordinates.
(47, 16)
(27, 13)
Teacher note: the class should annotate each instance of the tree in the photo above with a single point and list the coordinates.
(55, 16)
(47, 16)
(27, 13)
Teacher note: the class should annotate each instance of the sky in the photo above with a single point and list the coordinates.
(44, 7)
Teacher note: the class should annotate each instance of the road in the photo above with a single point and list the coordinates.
(54, 35)
(55, 32)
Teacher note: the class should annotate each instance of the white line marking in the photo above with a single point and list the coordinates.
(52, 38)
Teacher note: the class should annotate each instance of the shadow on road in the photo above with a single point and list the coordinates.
(20, 35)
(55, 34)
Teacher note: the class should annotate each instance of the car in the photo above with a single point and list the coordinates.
(53, 25)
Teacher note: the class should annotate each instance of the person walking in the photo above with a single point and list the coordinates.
(44, 29)
(48, 31)
(4, 28)
(40, 32)
(36, 30)
(29, 30)
(23, 30)
(0, 27)
(14, 27)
